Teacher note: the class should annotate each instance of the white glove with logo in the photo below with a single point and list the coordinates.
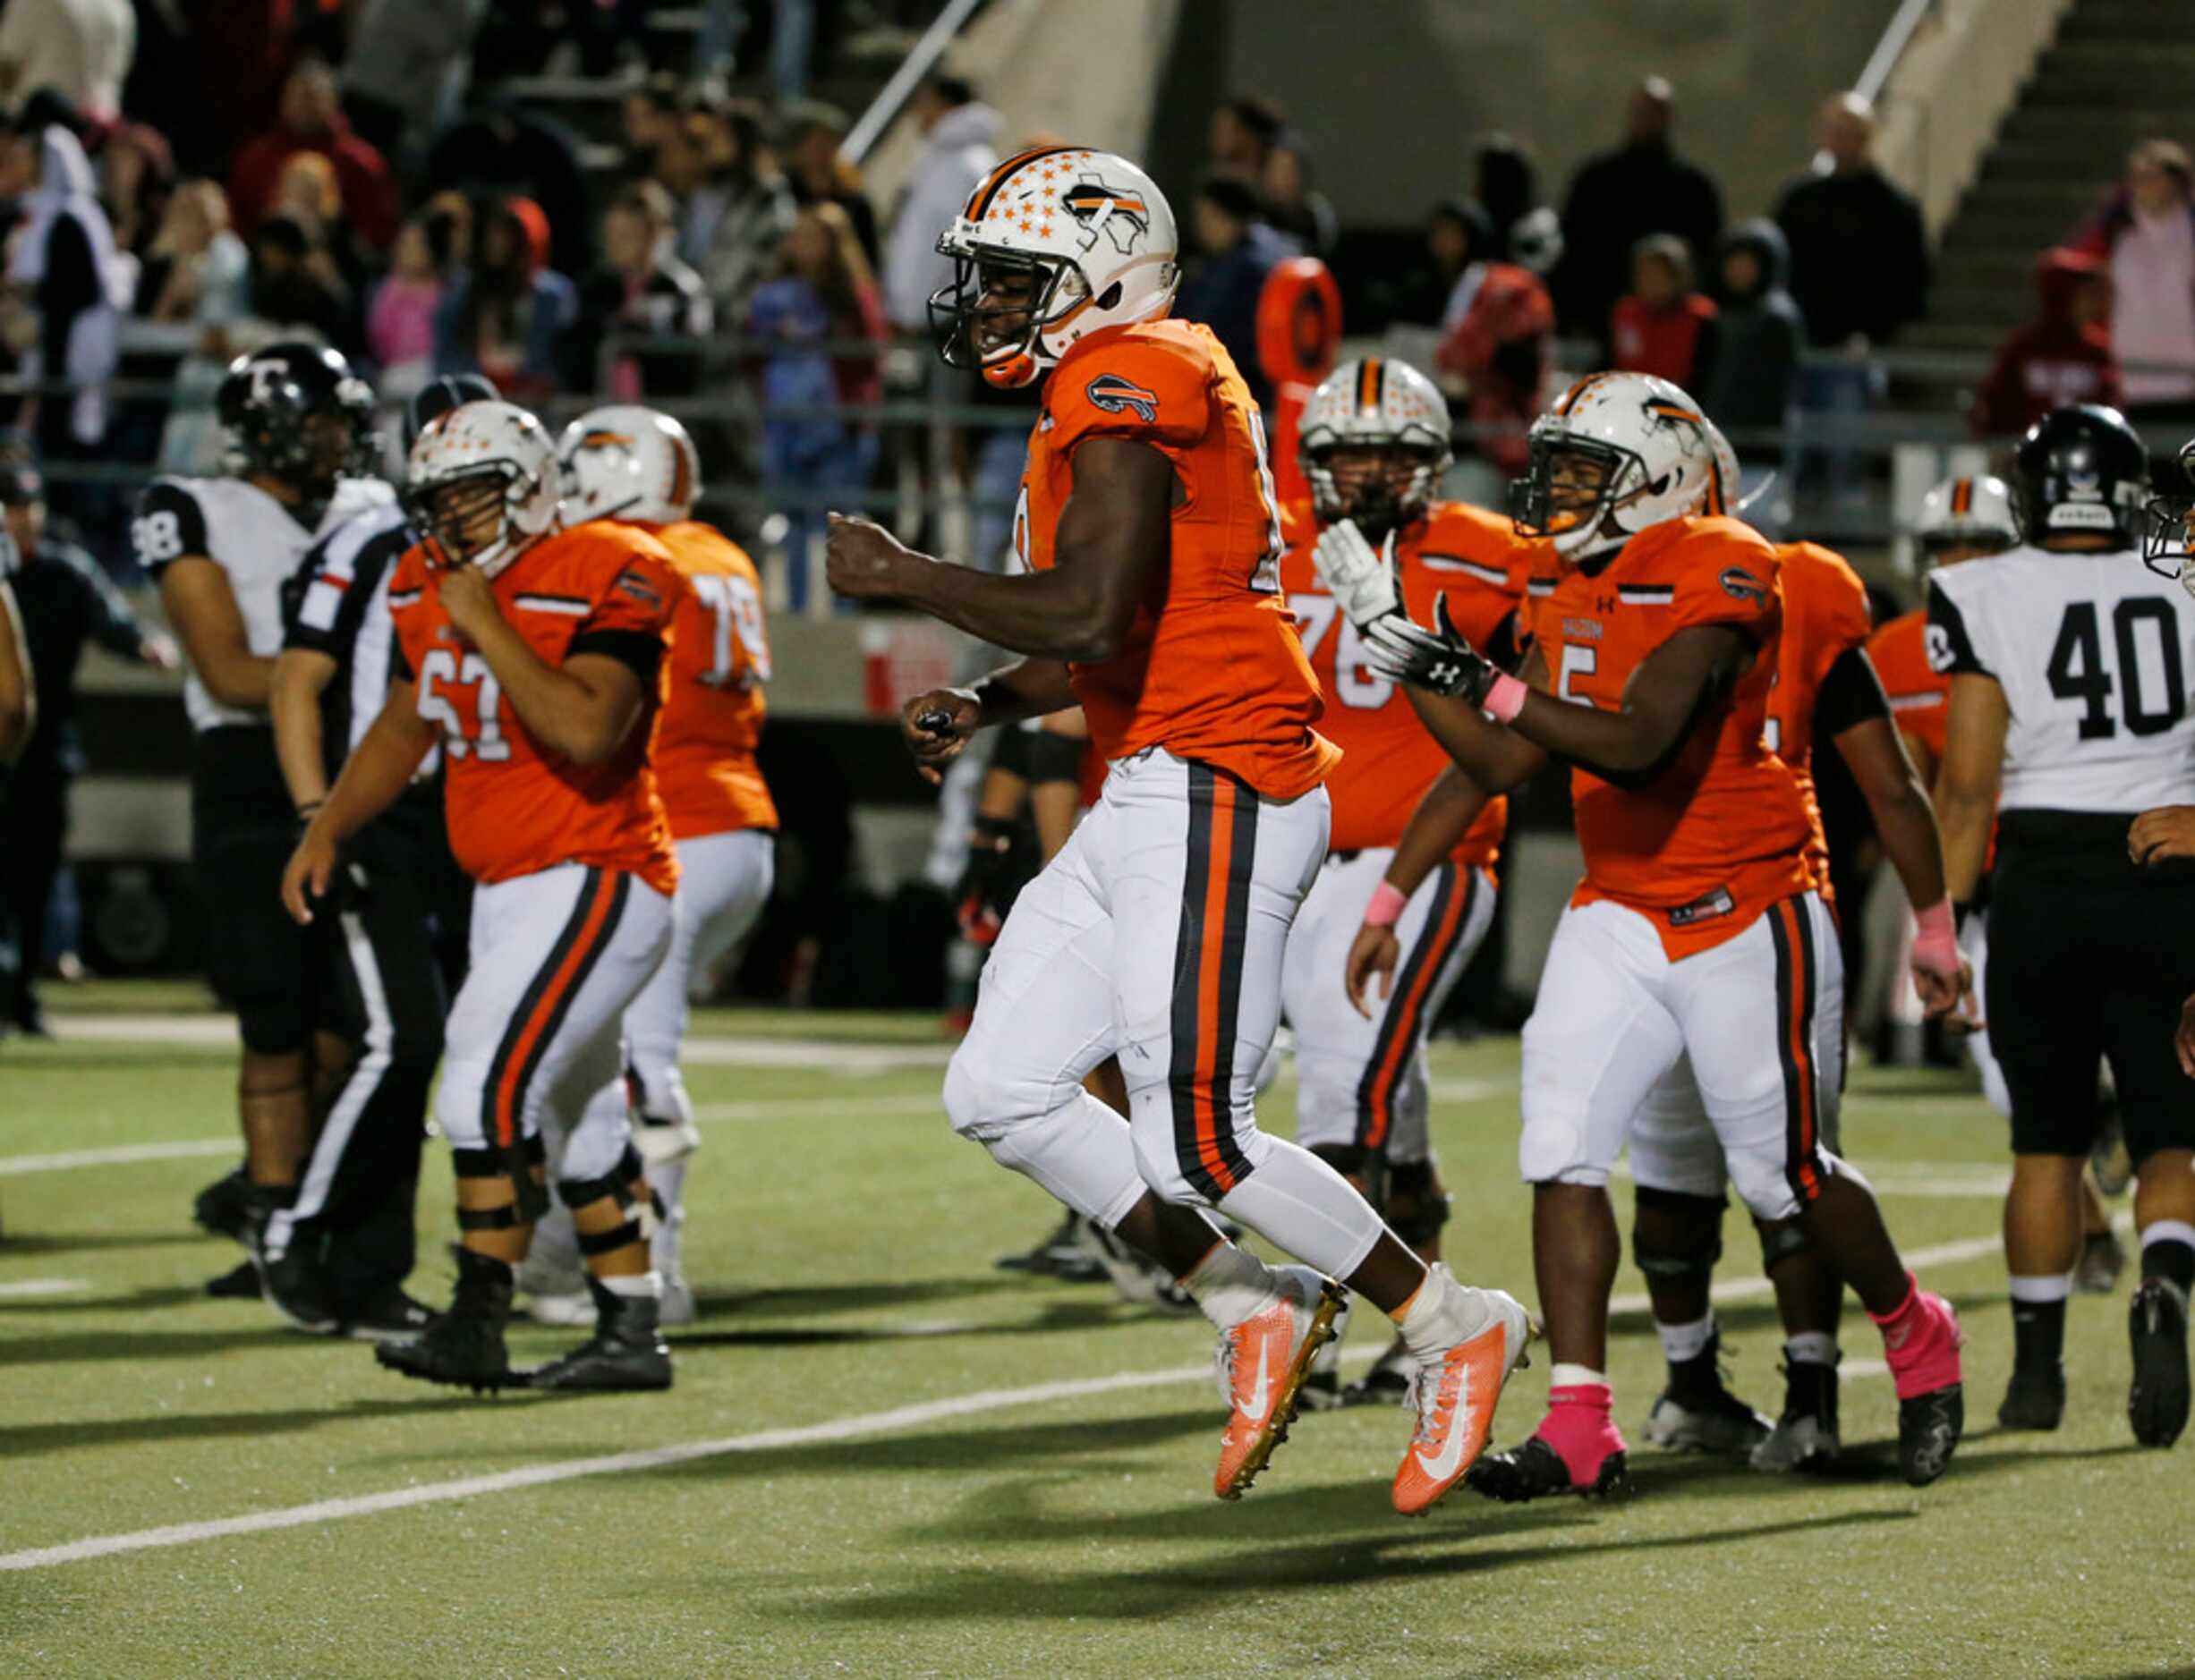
(1362, 579)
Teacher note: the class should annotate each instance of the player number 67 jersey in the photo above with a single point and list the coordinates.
(2094, 653)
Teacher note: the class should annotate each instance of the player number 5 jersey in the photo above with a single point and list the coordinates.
(2094, 652)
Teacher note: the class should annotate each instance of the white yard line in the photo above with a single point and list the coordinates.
(31, 1288)
(119, 1155)
(836, 1429)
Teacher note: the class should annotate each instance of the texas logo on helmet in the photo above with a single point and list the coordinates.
(1118, 212)
(1117, 395)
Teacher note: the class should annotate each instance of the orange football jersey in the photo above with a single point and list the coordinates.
(1721, 833)
(1213, 669)
(713, 706)
(1388, 759)
(1919, 695)
(1825, 614)
(513, 807)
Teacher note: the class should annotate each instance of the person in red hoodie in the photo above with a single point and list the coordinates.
(1492, 360)
(311, 120)
(2061, 356)
(1663, 327)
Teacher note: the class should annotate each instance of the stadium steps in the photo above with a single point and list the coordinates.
(2118, 73)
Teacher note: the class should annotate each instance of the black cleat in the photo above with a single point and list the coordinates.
(2157, 1404)
(240, 1283)
(224, 1208)
(464, 1346)
(1928, 1428)
(1535, 1471)
(1058, 1255)
(389, 1315)
(626, 1351)
(296, 1287)
(1387, 1383)
(1805, 1437)
(2034, 1399)
(2103, 1256)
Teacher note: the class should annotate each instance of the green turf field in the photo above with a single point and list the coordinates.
(870, 1488)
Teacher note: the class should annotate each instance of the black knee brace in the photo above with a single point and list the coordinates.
(617, 1182)
(274, 1023)
(1695, 1256)
(1417, 1206)
(1781, 1240)
(516, 1167)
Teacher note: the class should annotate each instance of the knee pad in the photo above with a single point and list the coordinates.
(514, 1167)
(1781, 1240)
(617, 1185)
(1693, 1254)
(274, 1024)
(1351, 1161)
(968, 1096)
(1417, 1205)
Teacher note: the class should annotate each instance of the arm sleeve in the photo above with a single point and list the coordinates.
(630, 621)
(1851, 694)
(114, 624)
(169, 525)
(1723, 581)
(1951, 651)
(1135, 391)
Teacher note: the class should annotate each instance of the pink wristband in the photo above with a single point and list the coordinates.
(1936, 939)
(1505, 699)
(1386, 906)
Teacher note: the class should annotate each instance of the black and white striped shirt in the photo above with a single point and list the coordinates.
(336, 603)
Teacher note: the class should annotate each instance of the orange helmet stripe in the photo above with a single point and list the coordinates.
(1568, 399)
(1368, 380)
(980, 199)
(1963, 496)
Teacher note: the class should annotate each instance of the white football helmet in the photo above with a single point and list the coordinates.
(1091, 230)
(1969, 510)
(1374, 403)
(1660, 458)
(626, 461)
(474, 457)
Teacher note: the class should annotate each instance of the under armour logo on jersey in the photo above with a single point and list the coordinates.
(630, 582)
(1118, 212)
(1740, 584)
(1115, 395)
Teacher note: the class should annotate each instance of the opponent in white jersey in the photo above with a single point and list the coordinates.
(298, 423)
(2070, 715)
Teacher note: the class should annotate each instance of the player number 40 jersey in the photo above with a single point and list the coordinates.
(2093, 652)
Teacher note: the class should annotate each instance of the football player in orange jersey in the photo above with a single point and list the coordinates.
(1698, 938)
(1151, 598)
(1374, 444)
(533, 655)
(637, 466)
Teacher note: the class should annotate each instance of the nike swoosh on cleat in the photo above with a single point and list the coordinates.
(1261, 1396)
(1443, 1465)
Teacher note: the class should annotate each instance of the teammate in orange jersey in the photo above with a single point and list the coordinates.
(639, 467)
(1374, 444)
(1698, 939)
(1151, 598)
(532, 655)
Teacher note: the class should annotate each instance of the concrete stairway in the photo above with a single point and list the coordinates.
(2120, 71)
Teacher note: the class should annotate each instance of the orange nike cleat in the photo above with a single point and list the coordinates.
(1262, 1363)
(1455, 1395)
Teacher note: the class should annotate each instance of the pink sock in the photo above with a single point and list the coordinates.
(1578, 1426)
(1920, 1342)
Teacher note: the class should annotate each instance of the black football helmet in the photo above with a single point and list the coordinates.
(2168, 545)
(438, 397)
(2080, 469)
(297, 413)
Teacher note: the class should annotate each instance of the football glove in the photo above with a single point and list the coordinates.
(1356, 574)
(978, 896)
(1438, 660)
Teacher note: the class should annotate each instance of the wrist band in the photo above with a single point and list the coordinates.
(1386, 906)
(307, 811)
(1505, 699)
(1935, 937)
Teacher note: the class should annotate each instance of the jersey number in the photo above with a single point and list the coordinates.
(157, 537)
(445, 687)
(738, 610)
(1266, 579)
(1578, 660)
(2077, 670)
(1354, 686)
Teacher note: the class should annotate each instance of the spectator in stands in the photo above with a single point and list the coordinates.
(196, 269)
(66, 288)
(295, 285)
(1663, 327)
(1860, 253)
(507, 312)
(740, 208)
(822, 293)
(820, 173)
(67, 601)
(310, 194)
(82, 49)
(406, 69)
(960, 137)
(400, 319)
(2147, 233)
(137, 173)
(1619, 198)
(1292, 204)
(2063, 356)
(1748, 383)
(1240, 250)
(650, 112)
(640, 289)
(1525, 232)
(312, 121)
(1492, 354)
(1244, 133)
(503, 150)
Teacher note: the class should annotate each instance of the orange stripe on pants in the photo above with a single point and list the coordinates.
(1404, 1041)
(1800, 1028)
(508, 1127)
(1224, 796)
